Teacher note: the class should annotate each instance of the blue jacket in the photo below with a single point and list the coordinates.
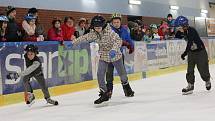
(124, 35)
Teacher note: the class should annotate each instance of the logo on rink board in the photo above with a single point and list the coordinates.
(73, 62)
(70, 67)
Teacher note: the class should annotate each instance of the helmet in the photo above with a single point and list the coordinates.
(153, 26)
(181, 21)
(9, 9)
(98, 21)
(31, 48)
(32, 10)
(29, 17)
(3, 18)
(116, 16)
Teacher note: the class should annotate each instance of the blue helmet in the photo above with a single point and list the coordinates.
(181, 21)
(29, 17)
(3, 18)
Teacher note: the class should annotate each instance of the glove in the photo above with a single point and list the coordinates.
(128, 45)
(183, 55)
(112, 54)
(13, 76)
(61, 43)
(68, 45)
(131, 50)
(124, 43)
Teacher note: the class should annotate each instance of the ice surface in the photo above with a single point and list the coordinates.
(156, 99)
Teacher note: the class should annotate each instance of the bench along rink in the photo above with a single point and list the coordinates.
(156, 99)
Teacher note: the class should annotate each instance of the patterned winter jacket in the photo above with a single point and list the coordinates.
(107, 40)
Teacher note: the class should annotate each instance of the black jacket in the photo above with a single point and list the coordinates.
(13, 33)
(30, 62)
(192, 37)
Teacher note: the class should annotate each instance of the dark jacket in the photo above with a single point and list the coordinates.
(13, 33)
(29, 63)
(194, 42)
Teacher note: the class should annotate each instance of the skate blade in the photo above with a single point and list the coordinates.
(55, 104)
(187, 93)
(103, 104)
(29, 105)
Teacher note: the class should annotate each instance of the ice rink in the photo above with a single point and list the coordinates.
(156, 99)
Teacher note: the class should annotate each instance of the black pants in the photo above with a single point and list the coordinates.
(109, 74)
(40, 79)
(199, 58)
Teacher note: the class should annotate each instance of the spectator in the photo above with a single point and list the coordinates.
(39, 31)
(81, 27)
(179, 33)
(13, 30)
(164, 22)
(136, 32)
(87, 26)
(55, 33)
(163, 31)
(68, 29)
(170, 22)
(147, 36)
(29, 27)
(154, 32)
(3, 27)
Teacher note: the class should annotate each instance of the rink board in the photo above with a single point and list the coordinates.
(68, 68)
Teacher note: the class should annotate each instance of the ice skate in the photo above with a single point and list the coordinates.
(29, 98)
(50, 101)
(208, 85)
(127, 90)
(103, 97)
(188, 90)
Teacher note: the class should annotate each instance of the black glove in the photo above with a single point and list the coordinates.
(61, 43)
(13, 76)
(183, 55)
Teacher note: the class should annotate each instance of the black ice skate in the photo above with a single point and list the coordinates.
(188, 90)
(127, 90)
(29, 98)
(103, 97)
(110, 89)
(50, 101)
(208, 85)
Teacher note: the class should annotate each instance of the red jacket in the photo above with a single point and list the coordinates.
(52, 35)
(67, 32)
(160, 32)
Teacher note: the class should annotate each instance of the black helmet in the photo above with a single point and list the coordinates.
(32, 10)
(31, 48)
(98, 21)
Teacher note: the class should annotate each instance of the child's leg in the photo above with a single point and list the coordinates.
(121, 71)
(191, 60)
(27, 85)
(124, 79)
(109, 76)
(101, 75)
(202, 65)
(41, 80)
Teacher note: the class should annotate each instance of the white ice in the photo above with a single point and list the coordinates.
(156, 99)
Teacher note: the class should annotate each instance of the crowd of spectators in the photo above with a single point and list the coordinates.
(31, 30)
